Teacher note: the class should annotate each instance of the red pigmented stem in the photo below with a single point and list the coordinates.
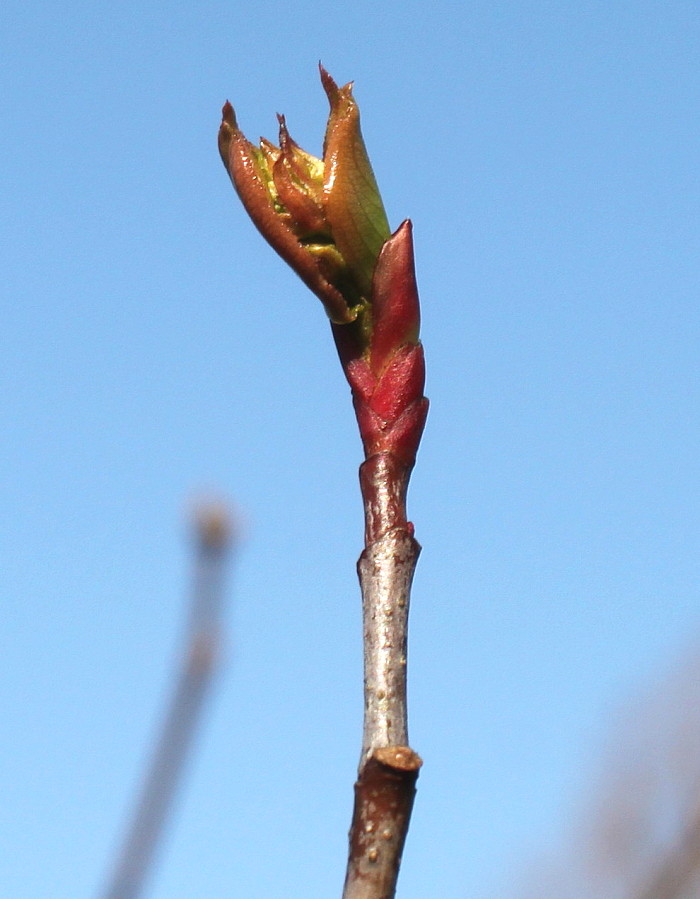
(387, 378)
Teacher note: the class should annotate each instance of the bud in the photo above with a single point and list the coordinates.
(324, 217)
(395, 304)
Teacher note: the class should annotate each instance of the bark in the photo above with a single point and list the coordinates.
(388, 770)
(383, 801)
(386, 570)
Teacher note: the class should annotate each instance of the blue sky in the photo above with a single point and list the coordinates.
(154, 347)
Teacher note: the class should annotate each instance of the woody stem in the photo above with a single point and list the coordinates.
(388, 768)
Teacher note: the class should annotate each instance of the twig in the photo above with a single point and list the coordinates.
(198, 664)
(385, 788)
(325, 217)
(386, 783)
(387, 385)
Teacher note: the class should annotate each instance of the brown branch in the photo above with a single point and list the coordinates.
(383, 801)
(197, 668)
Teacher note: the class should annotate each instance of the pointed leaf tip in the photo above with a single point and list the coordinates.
(227, 131)
(353, 203)
(329, 85)
(228, 115)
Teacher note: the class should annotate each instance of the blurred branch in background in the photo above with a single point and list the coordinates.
(213, 538)
(640, 838)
